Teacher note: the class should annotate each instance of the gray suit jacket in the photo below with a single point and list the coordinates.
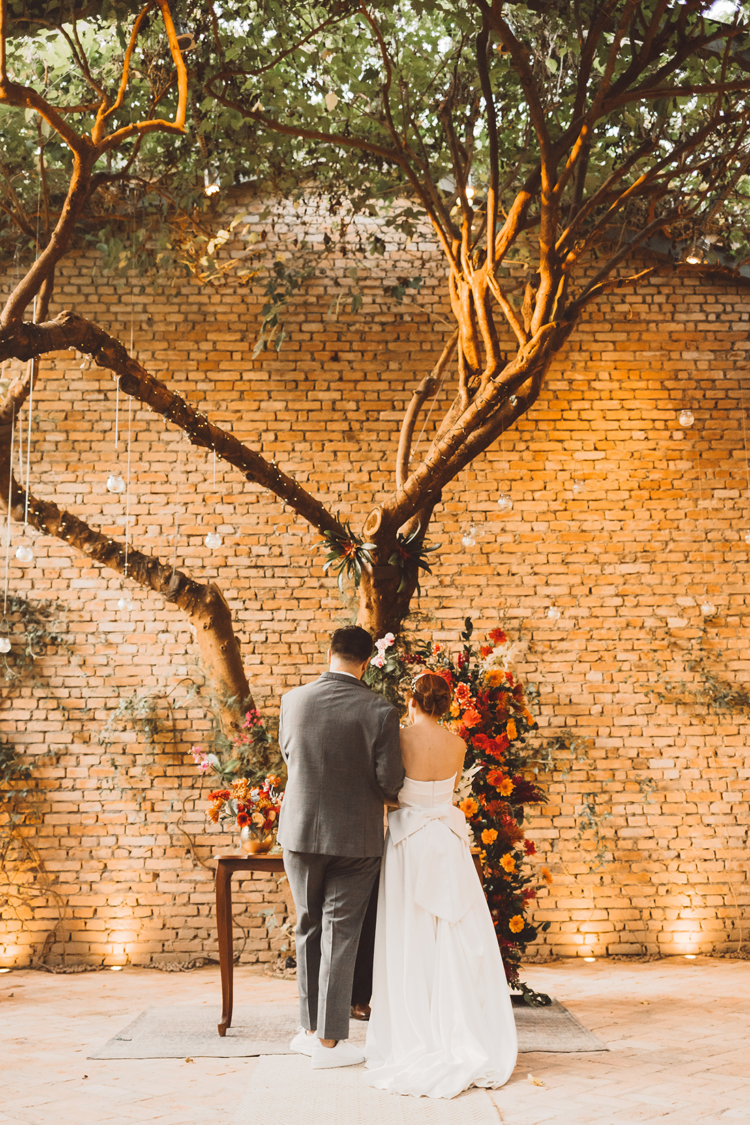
(340, 742)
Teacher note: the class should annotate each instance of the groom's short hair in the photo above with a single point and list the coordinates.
(352, 643)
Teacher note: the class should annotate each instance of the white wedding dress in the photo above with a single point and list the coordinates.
(441, 1014)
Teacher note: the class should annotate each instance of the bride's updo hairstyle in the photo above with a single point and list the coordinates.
(431, 694)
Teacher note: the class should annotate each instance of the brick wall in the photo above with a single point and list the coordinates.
(622, 520)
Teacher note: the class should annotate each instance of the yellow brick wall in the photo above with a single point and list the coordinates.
(627, 556)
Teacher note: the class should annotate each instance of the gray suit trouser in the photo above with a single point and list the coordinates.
(331, 895)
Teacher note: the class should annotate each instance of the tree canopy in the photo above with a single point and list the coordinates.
(544, 144)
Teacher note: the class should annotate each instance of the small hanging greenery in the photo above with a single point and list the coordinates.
(410, 557)
(347, 554)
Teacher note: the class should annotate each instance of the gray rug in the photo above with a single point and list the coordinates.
(189, 1030)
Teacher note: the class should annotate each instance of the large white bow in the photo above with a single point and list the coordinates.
(443, 887)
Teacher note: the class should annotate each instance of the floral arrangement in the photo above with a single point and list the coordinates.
(489, 711)
(238, 755)
(254, 808)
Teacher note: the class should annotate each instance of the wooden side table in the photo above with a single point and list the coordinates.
(227, 864)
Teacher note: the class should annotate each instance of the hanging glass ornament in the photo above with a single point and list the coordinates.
(468, 539)
(4, 644)
(24, 553)
(579, 486)
(708, 609)
(553, 613)
(212, 540)
(747, 536)
(115, 483)
(505, 501)
(686, 418)
(125, 603)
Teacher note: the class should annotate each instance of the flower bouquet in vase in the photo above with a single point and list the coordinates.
(254, 809)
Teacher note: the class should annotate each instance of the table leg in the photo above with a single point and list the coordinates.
(226, 951)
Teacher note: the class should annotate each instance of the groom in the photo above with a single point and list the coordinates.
(340, 741)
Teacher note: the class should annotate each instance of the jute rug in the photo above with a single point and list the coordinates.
(189, 1030)
(296, 1095)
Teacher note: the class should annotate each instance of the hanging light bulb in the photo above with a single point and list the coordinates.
(24, 553)
(212, 540)
(468, 540)
(505, 501)
(708, 609)
(686, 418)
(553, 613)
(579, 486)
(115, 483)
(125, 603)
(210, 185)
(747, 536)
(4, 644)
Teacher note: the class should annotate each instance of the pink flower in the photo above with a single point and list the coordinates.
(389, 639)
(378, 660)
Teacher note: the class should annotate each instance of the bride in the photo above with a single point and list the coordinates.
(441, 1014)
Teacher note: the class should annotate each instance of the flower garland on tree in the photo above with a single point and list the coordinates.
(489, 712)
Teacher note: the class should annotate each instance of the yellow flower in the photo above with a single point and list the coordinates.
(505, 787)
(468, 806)
(516, 924)
(495, 677)
(455, 708)
(489, 836)
(511, 730)
(508, 862)
(546, 875)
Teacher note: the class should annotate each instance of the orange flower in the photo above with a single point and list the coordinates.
(489, 836)
(242, 819)
(546, 875)
(511, 729)
(495, 677)
(485, 650)
(468, 806)
(516, 924)
(508, 863)
(436, 648)
(498, 637)
(213, 812)
(471, 717)
(455, 709)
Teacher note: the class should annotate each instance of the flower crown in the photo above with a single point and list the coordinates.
(416, 679)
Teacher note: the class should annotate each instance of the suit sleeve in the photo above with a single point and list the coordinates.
(282, 745)
(389, 769)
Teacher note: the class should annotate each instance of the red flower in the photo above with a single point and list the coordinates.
(242, 819)
(529, 847)
(461, 660)
(509, 677)
(498, 637)
(220, 795)
(445, 674)
(485, 650)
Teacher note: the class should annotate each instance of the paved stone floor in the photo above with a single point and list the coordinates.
(678, 1032)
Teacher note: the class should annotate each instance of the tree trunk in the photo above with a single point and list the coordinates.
(382, 608)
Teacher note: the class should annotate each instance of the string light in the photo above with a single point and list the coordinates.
(213, 539)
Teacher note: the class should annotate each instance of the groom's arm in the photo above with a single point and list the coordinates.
(389, 769)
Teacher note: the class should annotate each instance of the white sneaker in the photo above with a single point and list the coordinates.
(343, 1054)
(303, 1043)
